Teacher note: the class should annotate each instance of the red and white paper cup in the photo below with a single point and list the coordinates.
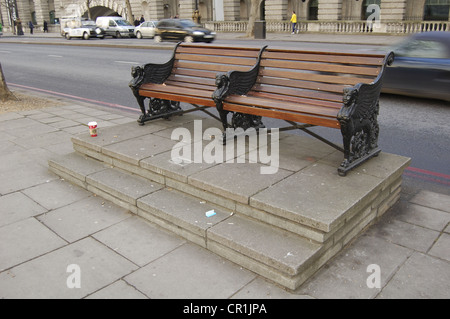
(93, 128)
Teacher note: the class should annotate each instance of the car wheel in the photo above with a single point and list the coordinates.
(118, 36)
(158, 38)
(86, 36)
(188, 39)
(138, 35)
(67, 36)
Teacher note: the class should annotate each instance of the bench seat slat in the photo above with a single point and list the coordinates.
(296, 99)
(300, 108)
(209, 66)
(222, 51)
(192, 85)
(216, 59)
(303, 84)
(349, 80)
(307, 56)
(293, 93)
(321, 67)
(283, 115)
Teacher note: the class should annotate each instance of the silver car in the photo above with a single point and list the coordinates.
(145, 29)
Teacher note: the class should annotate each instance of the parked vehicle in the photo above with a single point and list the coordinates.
(77, 27)
(421, 67)
(116, 27)
(182, 30)
(145, 29)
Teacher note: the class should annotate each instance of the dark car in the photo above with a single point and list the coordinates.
(421, 67)
(182, 30)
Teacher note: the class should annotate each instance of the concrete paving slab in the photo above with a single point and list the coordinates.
(56, 194)
(83, 218)
(138, 148)
(421, 216)
(236, 181)
(275, 248)
(138, 240)
(261, 289)
(24, 176)
(346, 275)
(118, 290)
(122, 185)
(76, 165)
(183, 211)
(204, 275)
(421, 277)
(24, 240)
(17, 206)
(316, 196)
(47, 277)
(433, 200)
(441, 247)
(404, 234)
(43, 139)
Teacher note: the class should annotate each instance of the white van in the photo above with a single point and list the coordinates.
(116, 27)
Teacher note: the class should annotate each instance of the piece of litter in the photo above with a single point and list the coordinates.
(210, 213)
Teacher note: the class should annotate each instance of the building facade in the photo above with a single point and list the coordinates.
(231, 15)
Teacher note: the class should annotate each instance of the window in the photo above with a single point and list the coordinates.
(436, 10)
(364, 14)
(313, 10)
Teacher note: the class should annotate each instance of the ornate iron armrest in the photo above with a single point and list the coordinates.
(358, 120)
(151, 72)
(236, 82)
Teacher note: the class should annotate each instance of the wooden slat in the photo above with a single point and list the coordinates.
(209, 66)
(223, 51)
(303, 84)
(297, 99)
(176, 90)
(322, 67)
(216, 59)
(284, 106)
(295, 117)
(192, 79)
(191, 85)
(178, 97)
(291, 92)
(347, 58)
(315, 77)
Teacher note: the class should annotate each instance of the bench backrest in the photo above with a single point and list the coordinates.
(197, 65)
(309, 75)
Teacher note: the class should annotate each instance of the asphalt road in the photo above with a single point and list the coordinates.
(417, 128)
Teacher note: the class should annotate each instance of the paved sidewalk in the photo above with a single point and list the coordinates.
(50, 231)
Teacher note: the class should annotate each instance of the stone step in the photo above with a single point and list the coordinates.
(280, 256)
(305, 196)
(283, 226)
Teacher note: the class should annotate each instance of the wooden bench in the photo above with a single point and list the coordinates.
(190, 77)
(335, 90)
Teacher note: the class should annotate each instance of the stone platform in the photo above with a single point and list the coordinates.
(282, 226)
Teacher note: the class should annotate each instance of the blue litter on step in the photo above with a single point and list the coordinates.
(210, 213)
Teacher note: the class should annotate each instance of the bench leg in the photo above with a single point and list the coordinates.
(360, 139)
(157, 108)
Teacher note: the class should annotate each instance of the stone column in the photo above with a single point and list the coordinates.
(155, 10)
(330, 10)
(232, 10)
(393, 10)
(187, 8)
(277, 10)
(42, 11)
